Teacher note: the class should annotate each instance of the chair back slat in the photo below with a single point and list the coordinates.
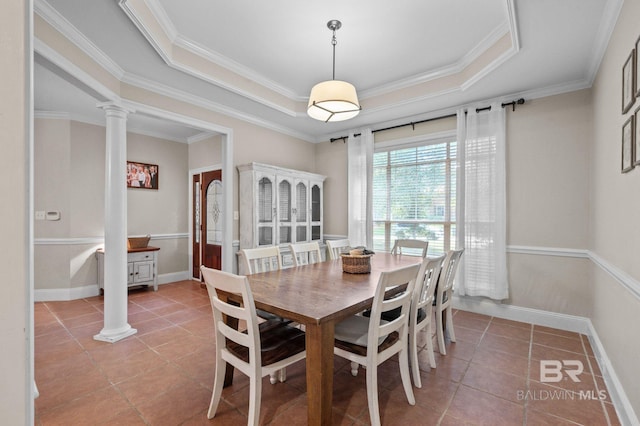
(244, 311)
(449, 269)
(426, 282)
(336, 247)
(388, 280)
(262, 259)
(306, 253)
(411, 247)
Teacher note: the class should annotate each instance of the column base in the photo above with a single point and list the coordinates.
(112, 337)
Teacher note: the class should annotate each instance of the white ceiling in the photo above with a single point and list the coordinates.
(409, 59)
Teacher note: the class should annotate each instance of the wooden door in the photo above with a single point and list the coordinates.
(212, 223)
(207, 221)
(196, 232)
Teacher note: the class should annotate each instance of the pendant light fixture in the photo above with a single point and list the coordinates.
(333, 100)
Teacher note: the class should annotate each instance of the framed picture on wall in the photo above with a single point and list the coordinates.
(637, 71)
(636, 138)
(627, 145)
(629, 82)
(142, 175)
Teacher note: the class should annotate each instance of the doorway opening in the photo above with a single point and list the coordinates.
(207, 233)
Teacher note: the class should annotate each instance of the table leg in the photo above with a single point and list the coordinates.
(319, 345)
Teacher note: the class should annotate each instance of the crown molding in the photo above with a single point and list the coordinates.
(59, 115)
(209, 105)
(190, 45)
(610, 15)
(512, 22)
(246, 72)
(163, 19)
(66, 30)
(57, 21)
(169, 31)
(52, 115)
(199, 137)
(178, 41)
(448, 70)
(41, 48)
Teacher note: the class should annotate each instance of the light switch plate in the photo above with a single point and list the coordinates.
(40, 215)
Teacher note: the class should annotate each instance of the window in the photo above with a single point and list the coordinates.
(414, 194)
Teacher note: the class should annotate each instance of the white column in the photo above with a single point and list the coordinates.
(116, 326)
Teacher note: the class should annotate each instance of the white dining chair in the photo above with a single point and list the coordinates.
(305, 253)
(369, 341)
(421, 313)
(412, 247)
(337, 247)
(261, 259)
(263, 349)
(444, 298)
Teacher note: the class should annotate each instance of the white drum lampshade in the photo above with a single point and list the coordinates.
(333, 100)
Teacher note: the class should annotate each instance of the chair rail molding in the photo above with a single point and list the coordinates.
(99, 240)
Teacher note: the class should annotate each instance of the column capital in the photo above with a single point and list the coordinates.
(115, 108)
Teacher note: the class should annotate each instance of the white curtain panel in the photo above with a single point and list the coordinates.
(482, 229)
(360, 178)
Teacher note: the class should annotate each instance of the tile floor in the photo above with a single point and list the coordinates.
(163, 375)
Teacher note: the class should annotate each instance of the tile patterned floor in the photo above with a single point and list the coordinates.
(163, 375)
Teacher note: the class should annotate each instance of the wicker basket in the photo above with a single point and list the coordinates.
(356, 264)
(138, 242)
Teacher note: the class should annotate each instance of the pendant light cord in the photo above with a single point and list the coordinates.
(333, 43)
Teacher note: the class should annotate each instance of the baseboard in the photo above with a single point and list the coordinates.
(517, 313)
(574, 323)
(173, 277)
(624, 409)
(65, 294)
(73, 293)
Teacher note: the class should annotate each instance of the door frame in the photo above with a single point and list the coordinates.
(225, 231)
(227, 168)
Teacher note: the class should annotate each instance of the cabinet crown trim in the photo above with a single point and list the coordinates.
(279, 170)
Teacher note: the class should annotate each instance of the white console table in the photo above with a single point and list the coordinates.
(142, 266)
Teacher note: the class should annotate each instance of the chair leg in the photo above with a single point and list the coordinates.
(432, 358)
(413, 354)
(273, 378)
(218, 383)
(452, 334)
(255, 396)
(282, 375)
(403, 358)
(354, 368)
(372, 395)
(440, 332)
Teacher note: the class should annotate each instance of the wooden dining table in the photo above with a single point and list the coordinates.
(319, 296)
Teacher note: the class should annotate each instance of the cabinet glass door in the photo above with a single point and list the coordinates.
(266, 211)
(301, 211)
(285, 212)
(316, 212)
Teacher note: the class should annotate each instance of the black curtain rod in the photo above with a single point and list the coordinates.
(413, 123)
(512, 103)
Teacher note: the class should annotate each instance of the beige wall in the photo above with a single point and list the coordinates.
(548, 146)
(615, 208)
(331, 161)
(16, 312)
(69, 163)
(205, 153)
